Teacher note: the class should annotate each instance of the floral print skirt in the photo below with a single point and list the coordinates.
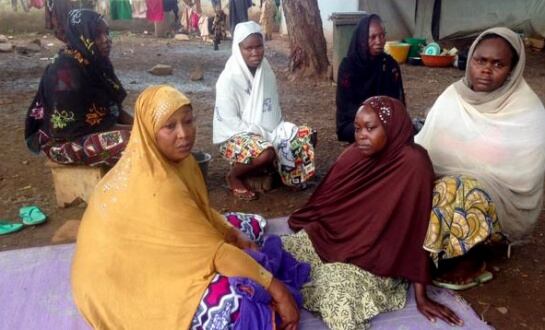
(345, 296)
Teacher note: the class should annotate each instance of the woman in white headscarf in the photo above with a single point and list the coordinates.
(248, 125)
(485, 137)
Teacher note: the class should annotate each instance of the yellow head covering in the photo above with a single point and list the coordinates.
(149, 243)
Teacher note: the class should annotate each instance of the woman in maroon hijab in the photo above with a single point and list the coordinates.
(371, 211)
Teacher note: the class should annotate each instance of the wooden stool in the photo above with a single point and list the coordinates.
(74, 182)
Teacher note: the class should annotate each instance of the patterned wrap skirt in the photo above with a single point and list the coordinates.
(462, 216)
(345, 296)
(97, 149)
(220, 305)
(244, 147)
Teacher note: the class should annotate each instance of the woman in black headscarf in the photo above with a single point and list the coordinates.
(366, 71)
(76, 117)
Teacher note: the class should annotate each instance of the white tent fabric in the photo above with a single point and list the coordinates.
(457, 19)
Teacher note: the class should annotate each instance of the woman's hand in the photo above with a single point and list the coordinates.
(432, 310)
(284, 305)
(238, 239)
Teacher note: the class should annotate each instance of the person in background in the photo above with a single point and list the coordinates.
(365, 71)
(218, 25)
(77, 116)
(248, 126)
(238, 13)
(268, 11)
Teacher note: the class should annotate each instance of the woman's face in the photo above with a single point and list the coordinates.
(176, 137)
(490, 65)
(102, 39)
(252, 50)
(369, 133)
(377, 38)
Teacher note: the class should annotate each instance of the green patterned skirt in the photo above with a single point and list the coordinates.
(344, 295)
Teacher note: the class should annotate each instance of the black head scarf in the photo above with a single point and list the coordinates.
(362, 76)
(81, 32)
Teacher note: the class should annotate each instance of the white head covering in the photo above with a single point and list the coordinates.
(495, 137)
(245, 102)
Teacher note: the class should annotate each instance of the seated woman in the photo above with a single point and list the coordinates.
(362, 229)
(485, 138)
(76, 117)
(366, 71)
(248, 123)
(152, 254)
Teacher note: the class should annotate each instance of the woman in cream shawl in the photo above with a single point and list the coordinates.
(149, 243)
(248, 125)
(486, 140)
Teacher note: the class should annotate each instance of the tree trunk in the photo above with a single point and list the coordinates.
(308, 57)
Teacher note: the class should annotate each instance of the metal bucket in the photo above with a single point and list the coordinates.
(202, 159)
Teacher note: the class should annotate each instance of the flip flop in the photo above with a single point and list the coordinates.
(9, 227)
(32, 215)
(244, 194)
(484, 277)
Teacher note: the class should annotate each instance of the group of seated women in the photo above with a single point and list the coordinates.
(152, 253)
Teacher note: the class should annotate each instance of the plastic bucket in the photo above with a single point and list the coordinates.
(202, 159)
(416, 46)
(399, 51)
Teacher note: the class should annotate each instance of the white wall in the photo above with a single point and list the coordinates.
(328, 7)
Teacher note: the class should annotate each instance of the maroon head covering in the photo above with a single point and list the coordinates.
(374, 211)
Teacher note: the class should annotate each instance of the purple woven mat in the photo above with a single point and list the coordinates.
(35, 294)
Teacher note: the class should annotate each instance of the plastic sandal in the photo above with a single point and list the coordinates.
(481, 279)
(9, 227)
(32, 215)
(244, 194)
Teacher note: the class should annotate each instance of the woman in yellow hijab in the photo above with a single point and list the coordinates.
(149, 244)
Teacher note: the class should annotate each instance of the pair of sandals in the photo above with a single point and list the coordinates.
(29, 215)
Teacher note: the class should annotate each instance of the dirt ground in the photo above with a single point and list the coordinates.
(519, 284)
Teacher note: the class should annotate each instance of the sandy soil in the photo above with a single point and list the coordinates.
(519, 284)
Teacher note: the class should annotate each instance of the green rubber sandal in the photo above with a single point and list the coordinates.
(32, 215)
(9, 227)
(482, 278)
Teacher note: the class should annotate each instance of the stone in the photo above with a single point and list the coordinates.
(161, 70)
(36, 42)
(6, 47)
(181, 37)
(28, 48)
(3, 39)
(502, 310)
(197, 74)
